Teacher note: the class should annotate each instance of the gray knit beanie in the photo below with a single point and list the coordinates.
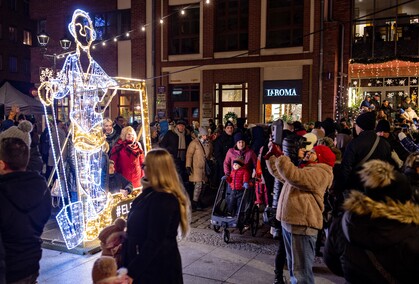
(22, 131)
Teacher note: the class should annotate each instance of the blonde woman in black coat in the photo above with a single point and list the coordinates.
(157, 216)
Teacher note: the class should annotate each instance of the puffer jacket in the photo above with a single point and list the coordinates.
(389, 230)
(237, 178)
(249, 157)
(301, 201)
(25, 207)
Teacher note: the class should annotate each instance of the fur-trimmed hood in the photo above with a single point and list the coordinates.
(362, 205)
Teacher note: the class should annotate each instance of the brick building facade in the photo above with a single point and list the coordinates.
(147, 54)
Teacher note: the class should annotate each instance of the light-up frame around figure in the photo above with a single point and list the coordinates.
(90, 93)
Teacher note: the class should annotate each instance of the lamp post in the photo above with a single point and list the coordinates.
(43, 40)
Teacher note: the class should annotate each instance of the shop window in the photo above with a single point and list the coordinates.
(284, 24)
(231, 25)
(27, 38)
(184, 30)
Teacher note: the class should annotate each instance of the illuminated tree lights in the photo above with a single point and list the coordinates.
(90, 91)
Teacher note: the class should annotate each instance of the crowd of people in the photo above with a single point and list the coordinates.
(335, 184)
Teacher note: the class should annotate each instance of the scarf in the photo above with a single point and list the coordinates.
(133, 148)
(182, 145)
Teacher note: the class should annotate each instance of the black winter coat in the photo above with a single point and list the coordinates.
(356, 150)
(389, 230)
(25, 207)
(221, 146)
(2, 264)
(170, 142)
(150, 252)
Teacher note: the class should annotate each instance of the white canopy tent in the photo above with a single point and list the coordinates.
(10, 96)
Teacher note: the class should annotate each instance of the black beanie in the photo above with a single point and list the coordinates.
(366, 120)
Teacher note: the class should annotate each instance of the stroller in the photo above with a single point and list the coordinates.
(246, 214)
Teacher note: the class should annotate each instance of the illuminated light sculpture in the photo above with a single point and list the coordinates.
(90, 91)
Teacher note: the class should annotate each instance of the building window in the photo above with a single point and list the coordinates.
(112, 24)
(13, 34)
(41, 26)
(230, 98)
(13, 64)
(184, 30)
(26, 7)
(231, 25)
(13, 5)
(284, 23)
(185, 100)
(385, 29)
(130, 106)
(27, 38)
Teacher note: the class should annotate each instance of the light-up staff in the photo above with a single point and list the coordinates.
(90, 90)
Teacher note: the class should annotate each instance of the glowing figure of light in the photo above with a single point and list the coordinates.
(90, 91)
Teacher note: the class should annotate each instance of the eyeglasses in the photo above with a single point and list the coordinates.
(142, 166)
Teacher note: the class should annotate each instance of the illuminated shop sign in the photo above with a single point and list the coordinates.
(282, 92)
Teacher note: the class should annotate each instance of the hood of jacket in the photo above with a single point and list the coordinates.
(362, 205)
(25, 190)
(380, 224)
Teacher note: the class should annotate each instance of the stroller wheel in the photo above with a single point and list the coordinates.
(216, 228)
(226, 235)
(254, 225)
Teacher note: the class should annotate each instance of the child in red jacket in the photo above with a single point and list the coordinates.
(238, 181)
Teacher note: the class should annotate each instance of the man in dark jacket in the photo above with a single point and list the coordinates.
(176, 142)
(221, 146)
(359, 148)
(2, 264)
(25, 207)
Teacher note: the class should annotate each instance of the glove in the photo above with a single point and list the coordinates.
(188, 171)
(246, 185)
(274, 150)
(402, 135)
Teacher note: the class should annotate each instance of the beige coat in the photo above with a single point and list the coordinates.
(195, 158)
(301, 200)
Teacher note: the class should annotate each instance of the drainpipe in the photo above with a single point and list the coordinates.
(321, 61)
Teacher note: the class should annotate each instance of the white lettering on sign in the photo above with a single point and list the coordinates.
(122, 210)
(281, 92)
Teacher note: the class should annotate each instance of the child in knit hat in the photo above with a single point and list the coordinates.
(22, 131)
(238, 181)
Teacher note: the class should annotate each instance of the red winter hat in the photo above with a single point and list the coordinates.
(325, 155)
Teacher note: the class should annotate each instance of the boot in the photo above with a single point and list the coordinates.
(279, 278)
(194, 205)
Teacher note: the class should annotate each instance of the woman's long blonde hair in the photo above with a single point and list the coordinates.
(162, 175)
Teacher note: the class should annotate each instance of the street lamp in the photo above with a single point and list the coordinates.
(43, 40)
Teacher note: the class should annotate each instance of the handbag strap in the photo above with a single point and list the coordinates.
(380, 268)
(370, 254)
(374, 146)
(202, 146)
